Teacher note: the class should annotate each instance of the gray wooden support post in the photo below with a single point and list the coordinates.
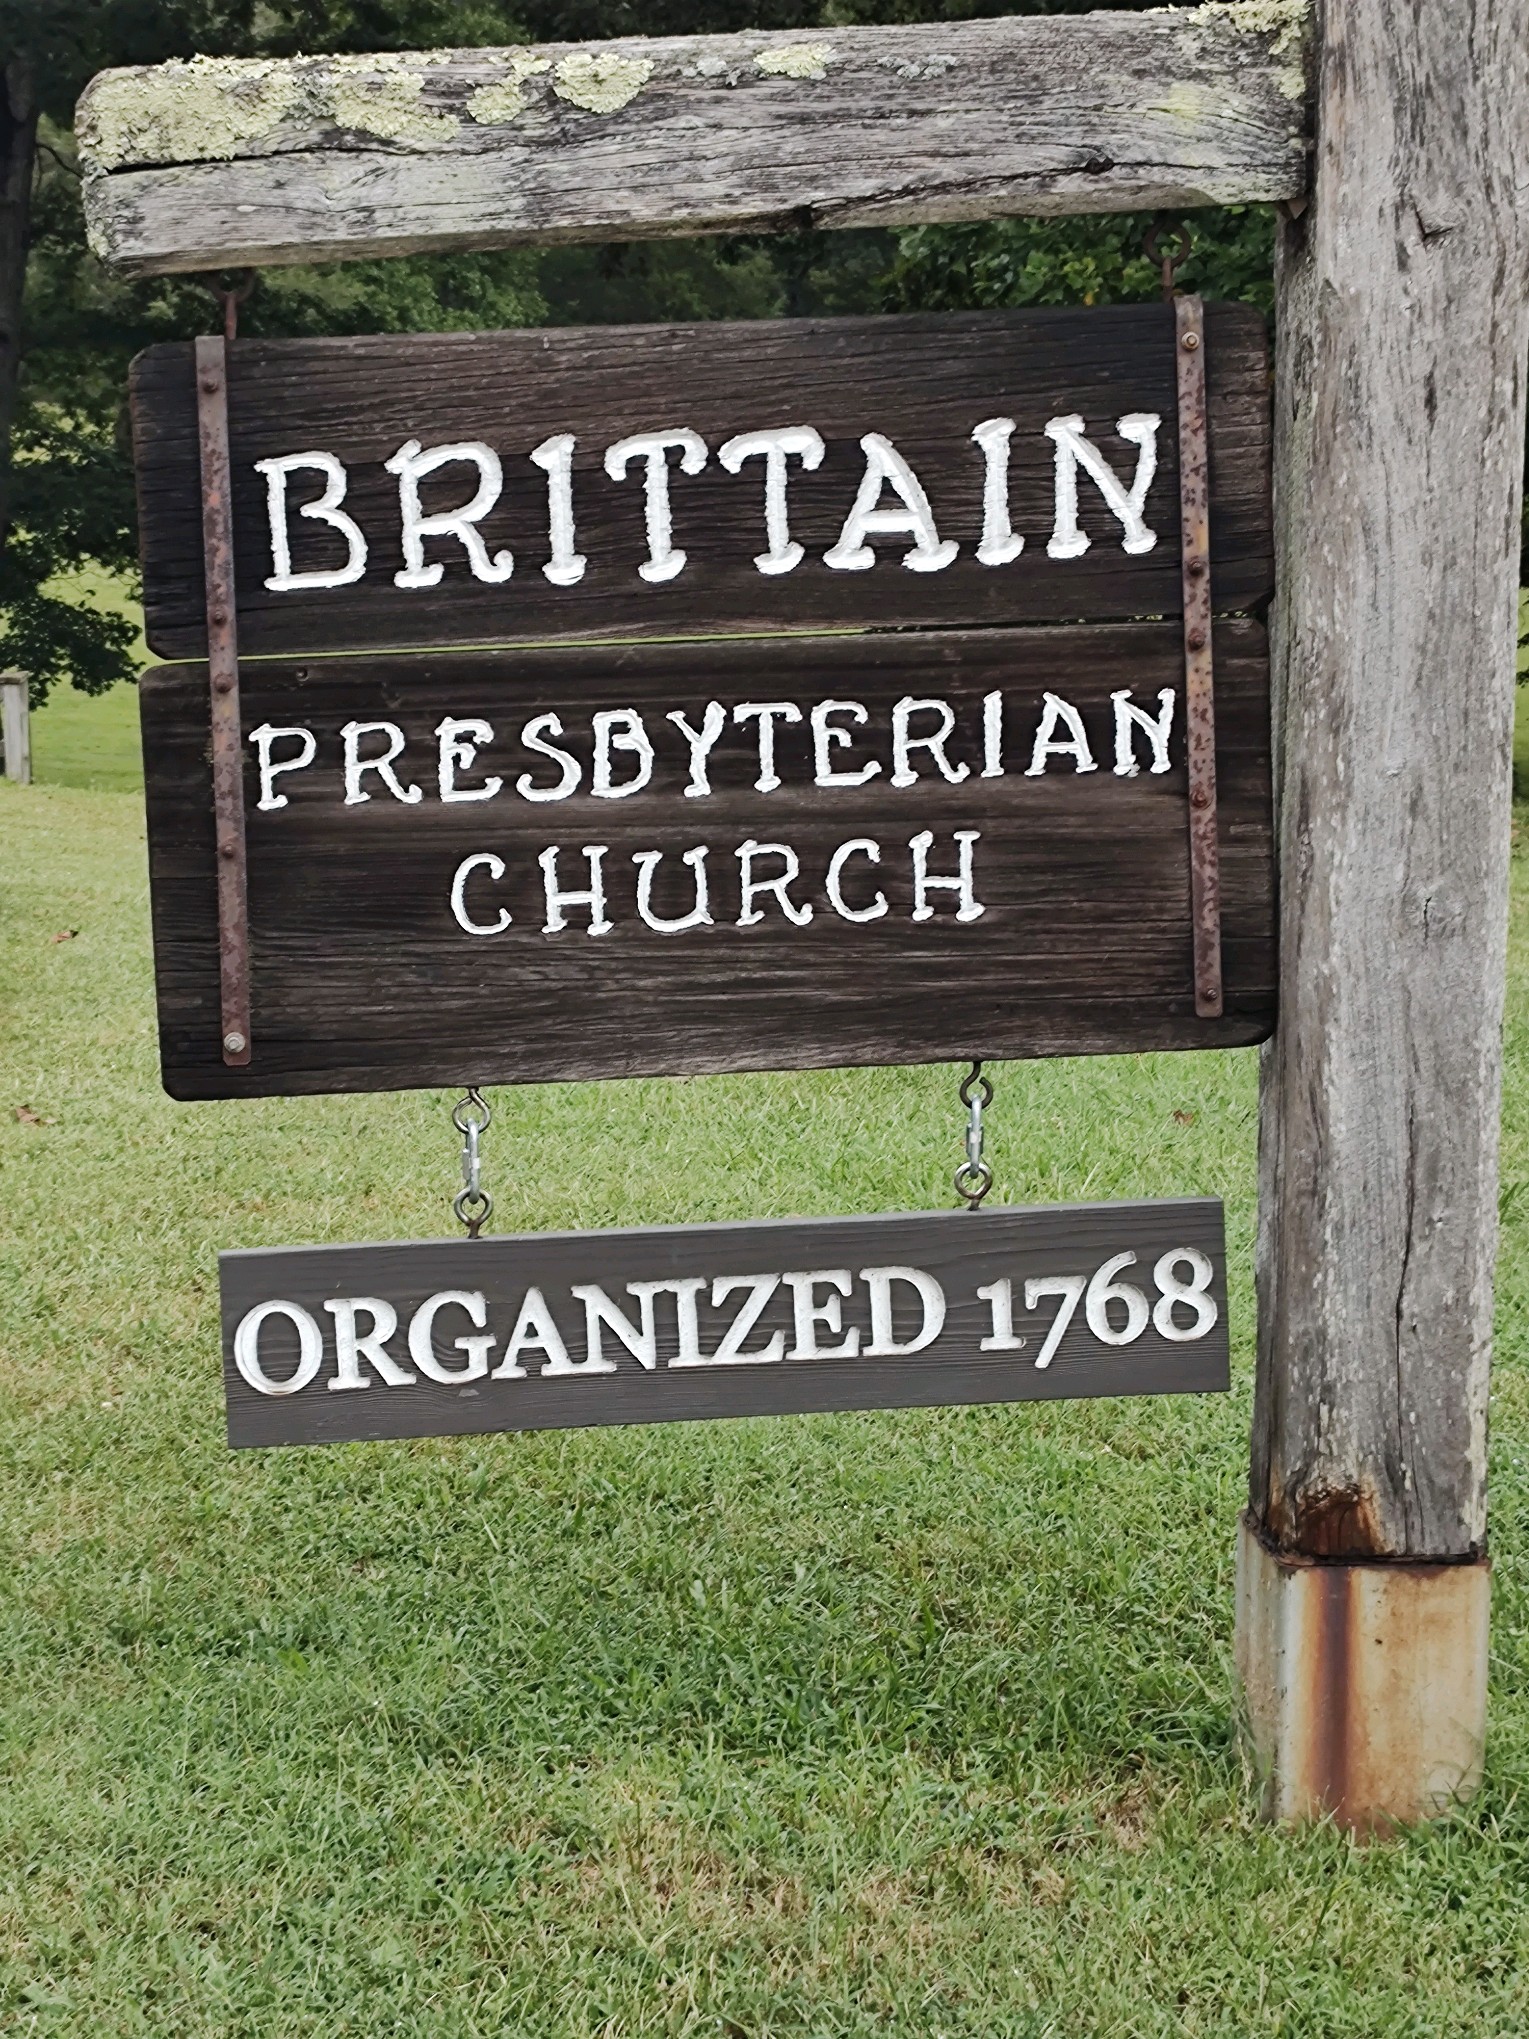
(16, 726)
(1402, 338)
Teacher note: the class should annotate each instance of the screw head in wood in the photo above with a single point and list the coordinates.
(1191, 341)
(1194, 567)
(1199, 797)
(1196, 639)
(233, 1044)
(209, 385)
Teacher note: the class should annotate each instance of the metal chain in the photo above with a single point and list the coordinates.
(1170, 263)
(472, 1202)
(973, 1179)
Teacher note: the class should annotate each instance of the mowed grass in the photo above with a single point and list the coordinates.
(909, 1724)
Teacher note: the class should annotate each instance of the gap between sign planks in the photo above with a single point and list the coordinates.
(223, 161)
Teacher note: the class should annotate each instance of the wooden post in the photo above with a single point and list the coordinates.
(16, 726)
(1402, 336)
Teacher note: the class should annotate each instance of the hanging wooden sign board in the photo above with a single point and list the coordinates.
(523, 866)
(563, 1329)
(863, 473)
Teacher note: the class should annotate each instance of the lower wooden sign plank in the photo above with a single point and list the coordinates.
(675, 859)
(558, 1330)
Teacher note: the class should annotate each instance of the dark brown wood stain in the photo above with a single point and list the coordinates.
(961, 1250)
(362, 980)
(925, 381)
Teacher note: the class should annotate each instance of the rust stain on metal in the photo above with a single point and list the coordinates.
(1365, 1682)
(1327, 1664)
(223, 673)
(1199, 690)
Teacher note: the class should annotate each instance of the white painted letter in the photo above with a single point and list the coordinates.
(619, 729)
(1049, 745)
(1128, 717)
(961, 885)
(664, 561)
(555, 457)
(931, 1297)
(903, 745)
(535, 1327)
(640, 1339)
(325, 511)
(355, 764)
(310, 1348)
(807, 1313)
(752, 886)
(1000, 543)
(262, 738)
(568, 765)
(992, 736)
(411, 463)
(593, 898)
(350, 1348)
(701, 740)
(1073, 451)
(862, 846)
(769, 713)
(460, 739)
(730, 1352)
(647, 862)
(784, 553)
(883, 464)
(485, 860)
(422, 1337)
(825, 736)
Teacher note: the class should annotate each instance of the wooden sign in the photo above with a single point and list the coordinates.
(519, 867)
(468, 488)
(564, 1329)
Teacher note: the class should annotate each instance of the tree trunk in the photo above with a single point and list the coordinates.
(18, 149)
(1399, 440)
(1400, 448)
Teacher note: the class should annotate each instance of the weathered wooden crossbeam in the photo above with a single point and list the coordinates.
(219, 162)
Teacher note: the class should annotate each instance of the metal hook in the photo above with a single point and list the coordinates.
(472, 1203)
(1170, 263)
(231, 298)
(973, 1179)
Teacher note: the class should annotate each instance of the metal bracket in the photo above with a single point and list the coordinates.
(1199, 688)
(223, 674)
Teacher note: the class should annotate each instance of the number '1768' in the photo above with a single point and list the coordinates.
(1182, 1311)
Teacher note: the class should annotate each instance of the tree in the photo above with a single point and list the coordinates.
(66, 500)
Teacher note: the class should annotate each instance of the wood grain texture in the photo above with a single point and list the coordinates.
(215, 164)
(925, 382)
(363, 980)
(1400, 429)
(960, 1250)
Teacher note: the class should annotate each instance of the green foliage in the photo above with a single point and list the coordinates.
(1099, 260)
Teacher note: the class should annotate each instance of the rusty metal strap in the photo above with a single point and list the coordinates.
(1199, 688)
(223, 674)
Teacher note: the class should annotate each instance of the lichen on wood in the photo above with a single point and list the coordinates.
(504, 100)
(600, 82)
(795, 60)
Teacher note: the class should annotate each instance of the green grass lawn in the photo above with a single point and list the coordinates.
(913, 1724)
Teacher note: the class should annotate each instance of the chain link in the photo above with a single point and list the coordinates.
(472, 1202)
(974, 1178)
